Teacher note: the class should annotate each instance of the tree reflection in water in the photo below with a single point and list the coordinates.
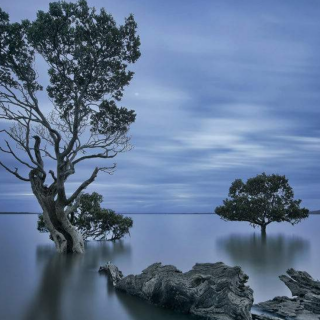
(269, 252)
(68, 281)
(264, 258)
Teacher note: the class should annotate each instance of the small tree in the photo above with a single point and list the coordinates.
(262, 200)
(94, 222)
(87, 56)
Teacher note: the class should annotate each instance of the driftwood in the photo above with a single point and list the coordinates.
(211, 291)
(217, 291)
(305, 305)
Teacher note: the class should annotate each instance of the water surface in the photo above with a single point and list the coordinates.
(38, 284)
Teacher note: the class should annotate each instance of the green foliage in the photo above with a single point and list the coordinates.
(111, 119)
(16, 57)
(95, 222)
(77, 41)
(262, 200)
(41, 226)
(87, 54)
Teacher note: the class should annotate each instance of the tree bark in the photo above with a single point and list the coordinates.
(65, 236)
(73, 236)
(263, 229)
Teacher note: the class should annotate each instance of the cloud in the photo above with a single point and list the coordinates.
(155, 94)
(223, 90)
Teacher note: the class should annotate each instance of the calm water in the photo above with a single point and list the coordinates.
(38, 284)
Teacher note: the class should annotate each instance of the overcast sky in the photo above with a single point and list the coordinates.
(223, 90)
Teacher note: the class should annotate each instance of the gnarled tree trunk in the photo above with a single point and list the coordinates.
(65, 236)
(74, 238)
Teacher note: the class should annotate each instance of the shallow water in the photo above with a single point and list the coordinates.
(38, 284)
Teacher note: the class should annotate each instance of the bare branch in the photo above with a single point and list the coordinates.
(93, 156)
(37, 151)
(83, 186)
(53, 176)
(10, 151)
(86, 183)
(15, 173)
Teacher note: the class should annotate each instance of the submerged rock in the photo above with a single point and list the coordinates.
(306, 303)
(212, 291)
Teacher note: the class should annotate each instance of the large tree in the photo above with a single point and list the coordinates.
(262, 200)
(87, 55)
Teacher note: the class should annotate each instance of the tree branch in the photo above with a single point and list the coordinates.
(15, 173)
(10, 151)
(93, 156)
(84, 185)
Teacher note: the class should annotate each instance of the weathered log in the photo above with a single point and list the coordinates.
(114, 273)
(305, 305)
(300, 283)
(264, 317)
(212, 291)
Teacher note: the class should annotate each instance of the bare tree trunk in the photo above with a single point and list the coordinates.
(59, 239)
(65, 236)
(74, 237)
(263, 229)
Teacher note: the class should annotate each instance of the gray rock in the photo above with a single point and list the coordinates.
(306, 303)
(211, 291)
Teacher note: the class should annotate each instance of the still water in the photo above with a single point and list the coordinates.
(38, 284)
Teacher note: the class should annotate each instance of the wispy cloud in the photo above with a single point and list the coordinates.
(223, 90)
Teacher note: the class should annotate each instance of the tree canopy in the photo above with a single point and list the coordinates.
(87, 55)
(262, 200)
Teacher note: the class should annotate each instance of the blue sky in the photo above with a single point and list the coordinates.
(223, 90)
